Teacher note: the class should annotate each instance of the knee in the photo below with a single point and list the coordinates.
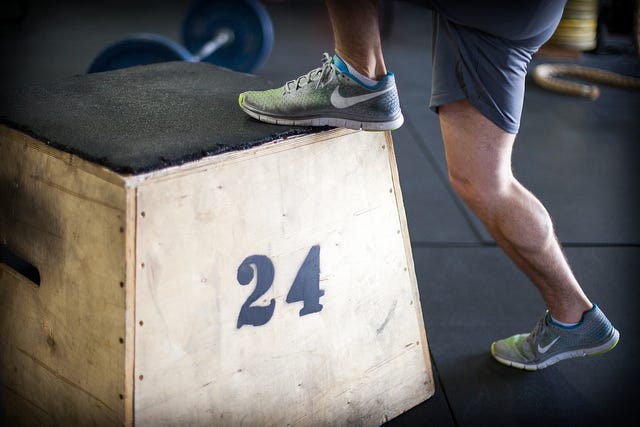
(462, 185)
(480, 194)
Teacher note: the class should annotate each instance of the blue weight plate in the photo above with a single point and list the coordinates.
(247, 19)
(138, 49)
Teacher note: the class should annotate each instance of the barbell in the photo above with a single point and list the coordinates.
(236, 34)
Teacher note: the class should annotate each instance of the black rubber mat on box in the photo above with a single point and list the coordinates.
(143, 118)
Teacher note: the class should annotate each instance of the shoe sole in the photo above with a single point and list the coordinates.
(325, 121)
(593, 351)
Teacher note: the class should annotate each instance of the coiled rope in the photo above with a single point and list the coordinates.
(546, 75)
(577, 31)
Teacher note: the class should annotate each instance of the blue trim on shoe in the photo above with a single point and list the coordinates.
(551, 321)
(342, 66)
(554, 323)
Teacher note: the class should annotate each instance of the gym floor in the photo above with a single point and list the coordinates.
(579, 157)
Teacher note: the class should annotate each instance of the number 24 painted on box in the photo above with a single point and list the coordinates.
(305, 287)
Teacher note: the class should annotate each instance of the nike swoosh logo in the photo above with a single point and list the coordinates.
(340, 101)
(543, 350)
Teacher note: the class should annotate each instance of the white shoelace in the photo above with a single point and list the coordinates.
(321, 76)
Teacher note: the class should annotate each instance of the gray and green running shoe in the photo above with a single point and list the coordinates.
(550, 343)
(328, 96)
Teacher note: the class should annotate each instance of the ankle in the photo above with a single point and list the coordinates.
(570, 316)
(370, 66)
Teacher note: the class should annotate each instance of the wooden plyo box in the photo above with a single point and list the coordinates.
(272, 286)
(267, 287)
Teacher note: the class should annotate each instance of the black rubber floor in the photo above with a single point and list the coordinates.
(579, 157)
(472, 296)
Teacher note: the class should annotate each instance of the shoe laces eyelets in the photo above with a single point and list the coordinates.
(321, 76)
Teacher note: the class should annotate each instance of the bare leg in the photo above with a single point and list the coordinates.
(479, 159)
(357, 35)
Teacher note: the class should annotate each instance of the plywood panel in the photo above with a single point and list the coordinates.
(61, 343)
(319, 211)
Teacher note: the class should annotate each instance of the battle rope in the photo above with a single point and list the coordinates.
(546, 75)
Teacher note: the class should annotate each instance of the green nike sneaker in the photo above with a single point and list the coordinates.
(550, 343)
(328, 96)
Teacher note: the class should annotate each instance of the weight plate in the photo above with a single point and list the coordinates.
(247, 19)
(139, 49)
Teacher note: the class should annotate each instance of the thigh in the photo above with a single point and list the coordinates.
(481, 52)
(478, 152)
(487, 70)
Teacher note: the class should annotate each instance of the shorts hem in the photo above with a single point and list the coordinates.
(441, 99)
(445, 98)
(490, 113)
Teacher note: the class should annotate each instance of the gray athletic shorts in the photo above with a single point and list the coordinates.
(481, 50)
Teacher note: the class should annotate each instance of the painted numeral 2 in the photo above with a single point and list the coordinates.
(259, 314)
(305, 287)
